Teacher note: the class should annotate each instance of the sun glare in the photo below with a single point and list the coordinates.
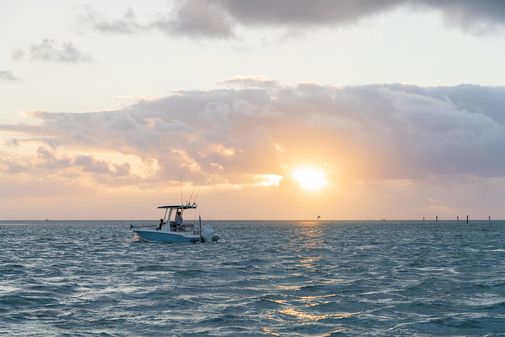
(310, 178)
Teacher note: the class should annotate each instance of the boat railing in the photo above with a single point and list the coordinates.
(185, 228)
(133, 226)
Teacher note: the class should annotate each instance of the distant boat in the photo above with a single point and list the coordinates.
(169, 231)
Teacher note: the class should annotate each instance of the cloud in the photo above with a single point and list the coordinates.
(8, 76)
(48, 162)
(470, 15)
(196, 18)
(219, 18)
(48, 51)
(251, 81)
(189, 18)
(127, 24)
(227, 135)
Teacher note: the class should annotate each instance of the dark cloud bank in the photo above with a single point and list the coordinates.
(219, 18)
(397, 131)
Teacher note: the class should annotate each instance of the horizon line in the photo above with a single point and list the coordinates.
(318, 220)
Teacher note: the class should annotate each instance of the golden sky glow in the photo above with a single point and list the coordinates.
(339, 111)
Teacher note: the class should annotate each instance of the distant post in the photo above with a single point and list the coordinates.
(467, 218)
(436, 218)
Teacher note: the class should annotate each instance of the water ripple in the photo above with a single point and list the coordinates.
(263, 279)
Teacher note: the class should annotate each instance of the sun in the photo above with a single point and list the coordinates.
(310, 178)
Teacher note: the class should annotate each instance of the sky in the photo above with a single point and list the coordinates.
(264, 109)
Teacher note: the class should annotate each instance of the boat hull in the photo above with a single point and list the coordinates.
(165, 236)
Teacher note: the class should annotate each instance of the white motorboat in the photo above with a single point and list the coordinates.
(172, 228)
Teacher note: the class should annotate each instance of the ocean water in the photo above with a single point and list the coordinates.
(89, 278)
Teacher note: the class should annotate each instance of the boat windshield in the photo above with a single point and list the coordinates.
(174, 215)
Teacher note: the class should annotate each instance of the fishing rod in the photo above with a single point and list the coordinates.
(196, 195)
(191, 195)
(180, 180)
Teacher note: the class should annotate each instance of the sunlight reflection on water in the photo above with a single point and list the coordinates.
(264, 278)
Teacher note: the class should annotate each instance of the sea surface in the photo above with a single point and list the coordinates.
(89, 278)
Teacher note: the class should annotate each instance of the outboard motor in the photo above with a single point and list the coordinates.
(208, 234)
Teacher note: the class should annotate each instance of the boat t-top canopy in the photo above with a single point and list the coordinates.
(187, 206)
